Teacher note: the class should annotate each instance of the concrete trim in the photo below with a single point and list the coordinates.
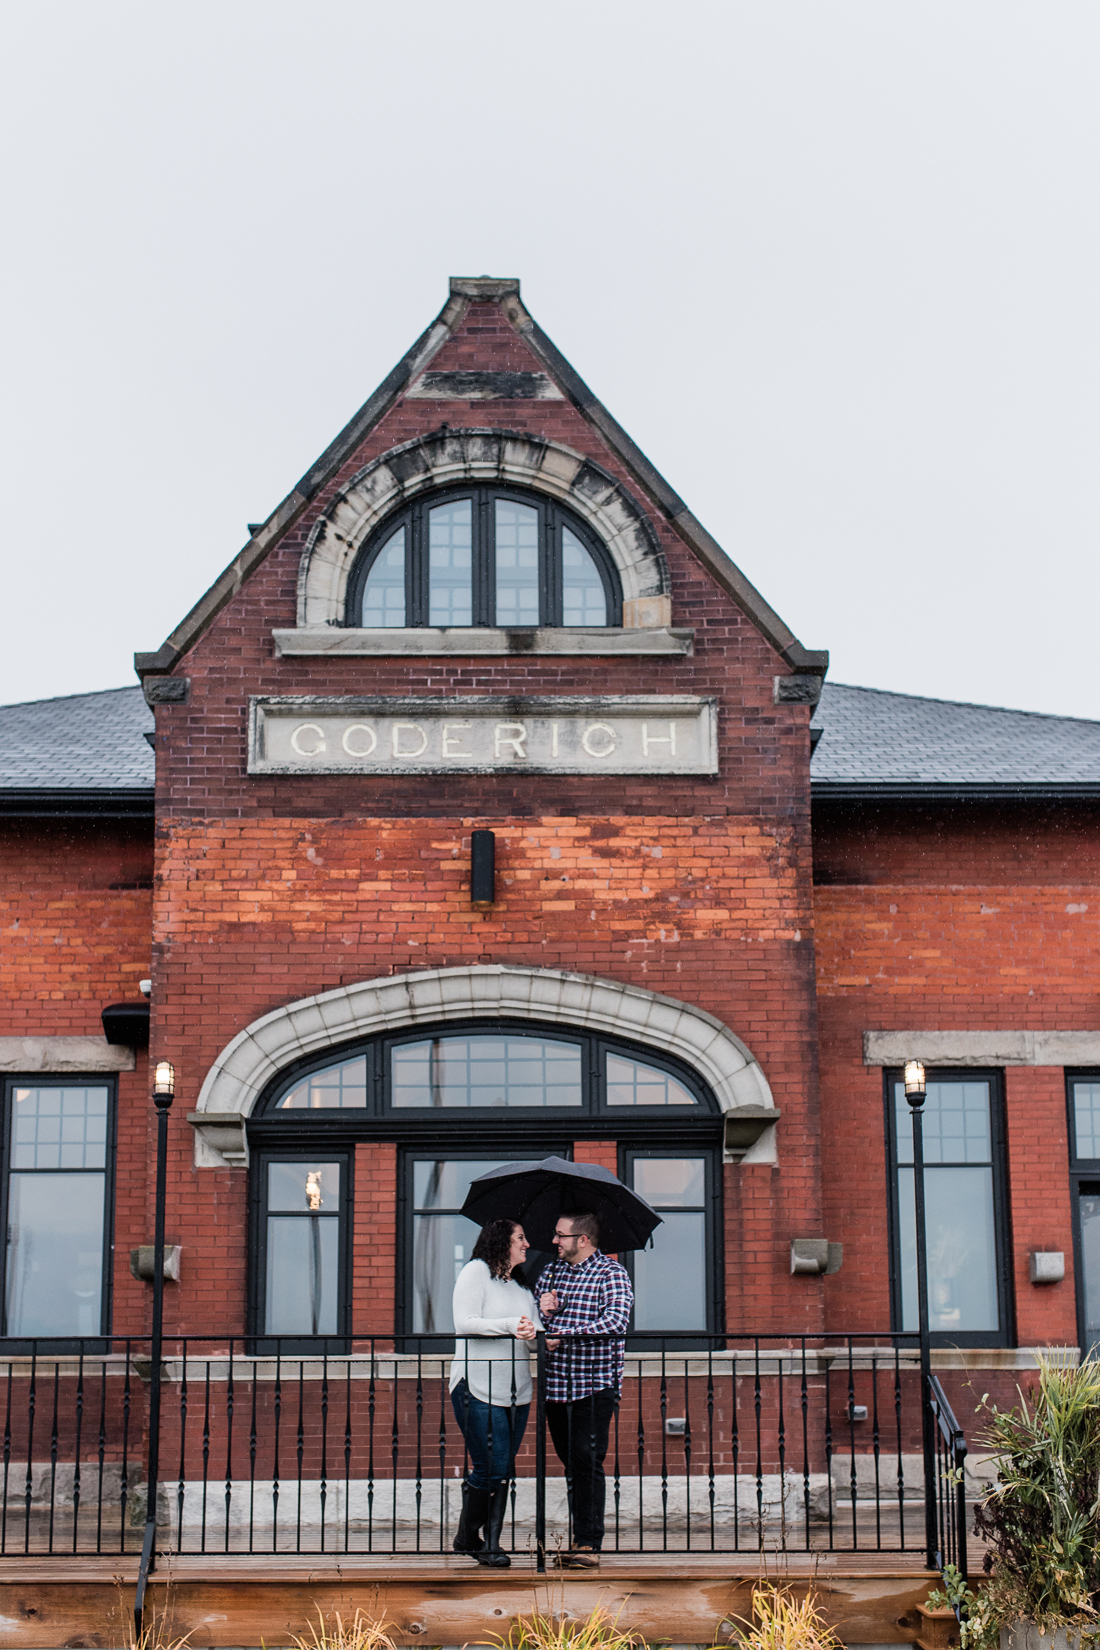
(317, 641)
(982, 1048)
(452, 457)
(48, 1054)
(311, 1025)
(505, 292)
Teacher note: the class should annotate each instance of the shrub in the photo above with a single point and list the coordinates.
(782, 1622)
(1042, 1517)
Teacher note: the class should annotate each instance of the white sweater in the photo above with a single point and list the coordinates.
(490, 1309)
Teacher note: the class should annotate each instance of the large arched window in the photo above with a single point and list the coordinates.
(457, 1100)
(480, 556)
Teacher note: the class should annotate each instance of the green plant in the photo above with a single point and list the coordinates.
(333, 1633)
(1041, 1519)
(548, 1631)
(780, 1621)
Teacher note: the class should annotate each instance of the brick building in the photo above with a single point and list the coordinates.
(701, 958)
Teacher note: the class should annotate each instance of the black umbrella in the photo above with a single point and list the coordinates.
(536, 1194)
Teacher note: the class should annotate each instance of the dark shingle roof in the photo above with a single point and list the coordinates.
(70, 752)
(85, 746)
(896, 744)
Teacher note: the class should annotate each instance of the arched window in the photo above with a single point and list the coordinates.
(481, 556)
(457, 1100)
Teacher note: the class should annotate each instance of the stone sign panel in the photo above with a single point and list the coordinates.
(637, 734)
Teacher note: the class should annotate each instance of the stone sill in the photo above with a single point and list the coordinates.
(314, 641)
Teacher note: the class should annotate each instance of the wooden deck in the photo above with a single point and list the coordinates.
(241, 1602)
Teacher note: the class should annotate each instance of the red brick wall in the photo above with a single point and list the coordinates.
(944, 918)
(75, 912)
(374, 1239)
(254, 913)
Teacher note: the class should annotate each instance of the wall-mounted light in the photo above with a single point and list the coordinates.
(915, 1086)
(164, 1079)
(483, 878)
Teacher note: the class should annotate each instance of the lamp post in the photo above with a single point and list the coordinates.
(164, 1088)
(916, 1091)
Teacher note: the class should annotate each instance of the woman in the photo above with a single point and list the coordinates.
(491, 1382)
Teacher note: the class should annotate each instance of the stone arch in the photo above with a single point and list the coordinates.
(447, 459)
(488, 991)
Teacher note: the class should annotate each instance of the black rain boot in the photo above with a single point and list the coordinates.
(475, 1507)
(491, 1554)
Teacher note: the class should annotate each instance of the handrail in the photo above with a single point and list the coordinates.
(950, 1489)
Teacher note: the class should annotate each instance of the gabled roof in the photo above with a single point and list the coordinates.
(463, 292)
(84, 754)
(876, 744)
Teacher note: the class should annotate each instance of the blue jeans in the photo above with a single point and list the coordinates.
(493, 1434)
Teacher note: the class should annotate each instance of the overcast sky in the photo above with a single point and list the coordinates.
(832, 263)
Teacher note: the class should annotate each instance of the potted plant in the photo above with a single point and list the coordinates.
(1041, 1519)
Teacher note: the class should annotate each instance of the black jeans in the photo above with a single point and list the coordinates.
(580, 1431)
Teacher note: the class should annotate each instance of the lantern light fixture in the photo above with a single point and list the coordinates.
(915, 1085)
(164, 1078)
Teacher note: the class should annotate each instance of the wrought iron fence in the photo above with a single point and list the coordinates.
(718, 1444)
(950, 1484)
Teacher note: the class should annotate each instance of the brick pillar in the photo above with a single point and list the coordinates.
(374, 1239)
(1039, 1195)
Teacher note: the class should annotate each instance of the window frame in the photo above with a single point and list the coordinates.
(593, 1109)
(108, 1080)
(1002, 1226)
(553, 517)
(476, 1132)
(1082, 1171)
(260, 1340)
(714, 1236)
(551, 1144)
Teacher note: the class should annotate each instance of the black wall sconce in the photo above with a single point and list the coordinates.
(483, 874)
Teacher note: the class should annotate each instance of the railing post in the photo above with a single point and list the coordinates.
(540, 1454)
(163, 1090)
(959, 1463)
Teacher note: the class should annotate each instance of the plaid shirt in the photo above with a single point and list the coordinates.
(595, 1298)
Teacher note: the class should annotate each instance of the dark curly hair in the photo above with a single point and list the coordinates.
(494, 1245)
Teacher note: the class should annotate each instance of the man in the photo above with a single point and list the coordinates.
(586, 1302)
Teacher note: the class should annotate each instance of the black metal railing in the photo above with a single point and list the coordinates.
(950, 1483)
(719, 1444)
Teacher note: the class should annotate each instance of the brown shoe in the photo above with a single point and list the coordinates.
(582, 1558)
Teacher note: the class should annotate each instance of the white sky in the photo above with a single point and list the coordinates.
(832, 263)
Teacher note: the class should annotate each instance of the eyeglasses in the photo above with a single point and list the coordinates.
(564, 1235)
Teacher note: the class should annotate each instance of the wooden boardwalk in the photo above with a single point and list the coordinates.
(238, 1601)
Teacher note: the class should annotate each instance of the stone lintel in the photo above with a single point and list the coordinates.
(50, 1054)
(982, 1048)
(312, 641)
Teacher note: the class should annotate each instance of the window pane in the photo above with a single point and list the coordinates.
(671, 1182)
(442, 1244)
(59, 1128)
(632, 1084)
(1086, 1116)
(301, 1187)
(343, 1085)
(302, 1274)
(384, 592)
(1088, 1207)
(450, 563)
(443, 1184)
(670, 1279)
(956, 1123)
(486, 1071)
(583, 600)
(962, 1249)
(517, 563)
(55, 1254)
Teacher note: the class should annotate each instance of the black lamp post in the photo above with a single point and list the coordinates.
(164, 1088)
(915, 1093)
